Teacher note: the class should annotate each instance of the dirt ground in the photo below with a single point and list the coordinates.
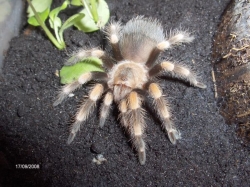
(32, 131)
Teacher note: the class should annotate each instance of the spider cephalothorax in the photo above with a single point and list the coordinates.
(136, 47)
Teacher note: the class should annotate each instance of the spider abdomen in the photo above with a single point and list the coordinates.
(139, 37)
(137, 51)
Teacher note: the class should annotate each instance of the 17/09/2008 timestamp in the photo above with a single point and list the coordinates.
(27, 166)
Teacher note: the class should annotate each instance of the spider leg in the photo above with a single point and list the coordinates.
(123, 108)
(84, 78)
(163, 111)
(175, 38)
(95, 52)
(137, 123)
(105, 108)
(85, 109)
(113, 34)
(177, 71)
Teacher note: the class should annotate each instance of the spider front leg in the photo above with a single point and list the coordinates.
(123, 108)
(83, 54)
(84, 78)
(163, 111)
(177, 71)
(136, 122)
(105, 108)
(177, 37)
(86, 108)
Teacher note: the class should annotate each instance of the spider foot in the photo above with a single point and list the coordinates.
(200, 85)
(174, 135)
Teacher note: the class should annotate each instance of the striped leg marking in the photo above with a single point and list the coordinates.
(163, 111)
(113, 31)
(175, 38)
(176, 71)
(71, 87)
(123, 108)
(136, 119)
(84, 54)
(84, 111)
(105, 108)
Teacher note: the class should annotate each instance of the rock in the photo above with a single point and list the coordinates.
(231, 60)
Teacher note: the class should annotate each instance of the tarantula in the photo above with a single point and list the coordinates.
(133, 68)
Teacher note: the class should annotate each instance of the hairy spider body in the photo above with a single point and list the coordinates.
(124, 78)
(136, 47)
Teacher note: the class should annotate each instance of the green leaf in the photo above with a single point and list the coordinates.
(87, 24)
(39, 5)
(42, 8)
(55, 21)
(70, 73)
(71, 20)
(76, 2)
(43, 15)
(68, 23)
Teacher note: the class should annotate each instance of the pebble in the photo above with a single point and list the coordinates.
(41, 77)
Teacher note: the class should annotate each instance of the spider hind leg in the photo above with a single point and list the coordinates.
(175, 38)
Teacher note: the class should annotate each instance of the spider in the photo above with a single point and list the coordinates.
(132, 69)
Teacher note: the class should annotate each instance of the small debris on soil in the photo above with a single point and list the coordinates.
(99, 159)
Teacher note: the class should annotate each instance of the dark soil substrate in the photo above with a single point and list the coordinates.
(33, 132)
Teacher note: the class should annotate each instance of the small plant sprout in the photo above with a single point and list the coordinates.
(91, 18)
(96, 15)
(56, 23)
(39, 18)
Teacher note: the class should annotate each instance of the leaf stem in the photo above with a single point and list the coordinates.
(46, 30)
(94, 10)
(86, 6)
